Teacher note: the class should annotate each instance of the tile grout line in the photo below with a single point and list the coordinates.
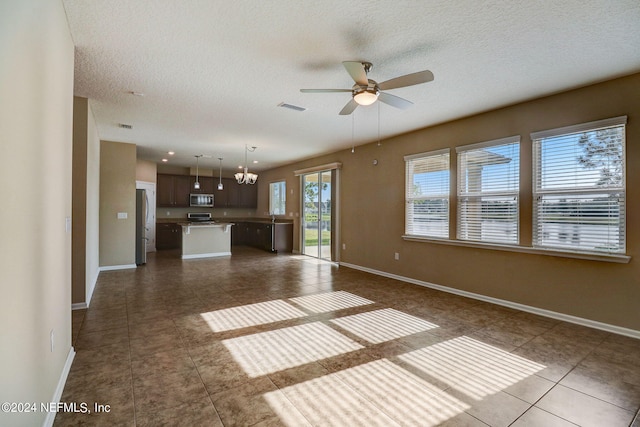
(133, 394)
(557, 383)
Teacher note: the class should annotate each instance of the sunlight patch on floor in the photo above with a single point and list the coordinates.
(268, 352)
(251, 315)
(472, 367)
(383, 325)
(373, 394)
(330, 301)
(328, 401)
(313, 259)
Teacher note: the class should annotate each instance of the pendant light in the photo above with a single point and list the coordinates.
(196, 185)
(246, 177)
(220, 186)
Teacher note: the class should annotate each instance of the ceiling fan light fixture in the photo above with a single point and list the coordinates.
(366, 97)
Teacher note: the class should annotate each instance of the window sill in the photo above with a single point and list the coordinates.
(622, 259)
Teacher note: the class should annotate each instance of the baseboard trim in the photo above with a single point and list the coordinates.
(117, 267)
(89, 294)
(505, 303)
(92, 287)
(51, 416)
(209, 255)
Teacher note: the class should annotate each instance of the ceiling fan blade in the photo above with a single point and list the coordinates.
(407, 80)
(349, 108)
(324, 90)
(394, 101)
(357, 72)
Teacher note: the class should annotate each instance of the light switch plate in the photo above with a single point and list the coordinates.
(122, 215)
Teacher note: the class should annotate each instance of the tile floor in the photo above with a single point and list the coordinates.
(258, 339)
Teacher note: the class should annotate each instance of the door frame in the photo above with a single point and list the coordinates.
(336, 169)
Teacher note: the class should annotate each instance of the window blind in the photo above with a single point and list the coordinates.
(488, 191)
(277, 198)
(427, 194)
(579, 188)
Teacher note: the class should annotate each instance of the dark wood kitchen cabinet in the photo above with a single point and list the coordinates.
(168, 235)
(206, 185)
(221, 197)
(268, 236)
(235, 195)
(247, 196)
(173, 190)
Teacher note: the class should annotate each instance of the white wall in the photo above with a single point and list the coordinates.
(36, 101)
(93, 205)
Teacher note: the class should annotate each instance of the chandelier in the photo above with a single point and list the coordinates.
(246, 177)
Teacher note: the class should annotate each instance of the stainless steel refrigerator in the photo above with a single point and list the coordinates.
(141, 227)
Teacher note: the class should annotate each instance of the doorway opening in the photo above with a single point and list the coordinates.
(318, 194)
(150, 220)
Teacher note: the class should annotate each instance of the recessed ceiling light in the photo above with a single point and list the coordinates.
(239, 167)
(171, 153)
(255, 161)
(165, 160)
(134, 93)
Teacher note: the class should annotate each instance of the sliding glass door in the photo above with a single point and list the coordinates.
(317, 214)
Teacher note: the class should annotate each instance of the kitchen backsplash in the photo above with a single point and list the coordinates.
(168, 213)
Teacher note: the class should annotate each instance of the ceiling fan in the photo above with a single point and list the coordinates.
(366, 91)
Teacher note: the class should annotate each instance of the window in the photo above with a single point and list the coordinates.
(579, 187)
(278, 198)
(488, 186)
(427, 194)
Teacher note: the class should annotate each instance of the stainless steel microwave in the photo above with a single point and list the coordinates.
(202, 200)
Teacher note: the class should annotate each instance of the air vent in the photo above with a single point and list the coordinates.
(125, 126)
(291, 107)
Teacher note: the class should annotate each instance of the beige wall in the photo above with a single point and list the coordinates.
(36, 116)
(146, 171)
(373, 211)
(117, 195)
(85, 199)
(293, 192)
(79, 200)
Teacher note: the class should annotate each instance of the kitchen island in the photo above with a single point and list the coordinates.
(206, 239)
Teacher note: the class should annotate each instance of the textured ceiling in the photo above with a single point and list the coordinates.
(213, 72)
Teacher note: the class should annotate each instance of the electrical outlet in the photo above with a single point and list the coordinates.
(344, 246)
(397, 256)
(224, 213)
(122, 215)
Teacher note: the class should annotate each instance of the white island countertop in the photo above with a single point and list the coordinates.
(187, 226)
(206, 239)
